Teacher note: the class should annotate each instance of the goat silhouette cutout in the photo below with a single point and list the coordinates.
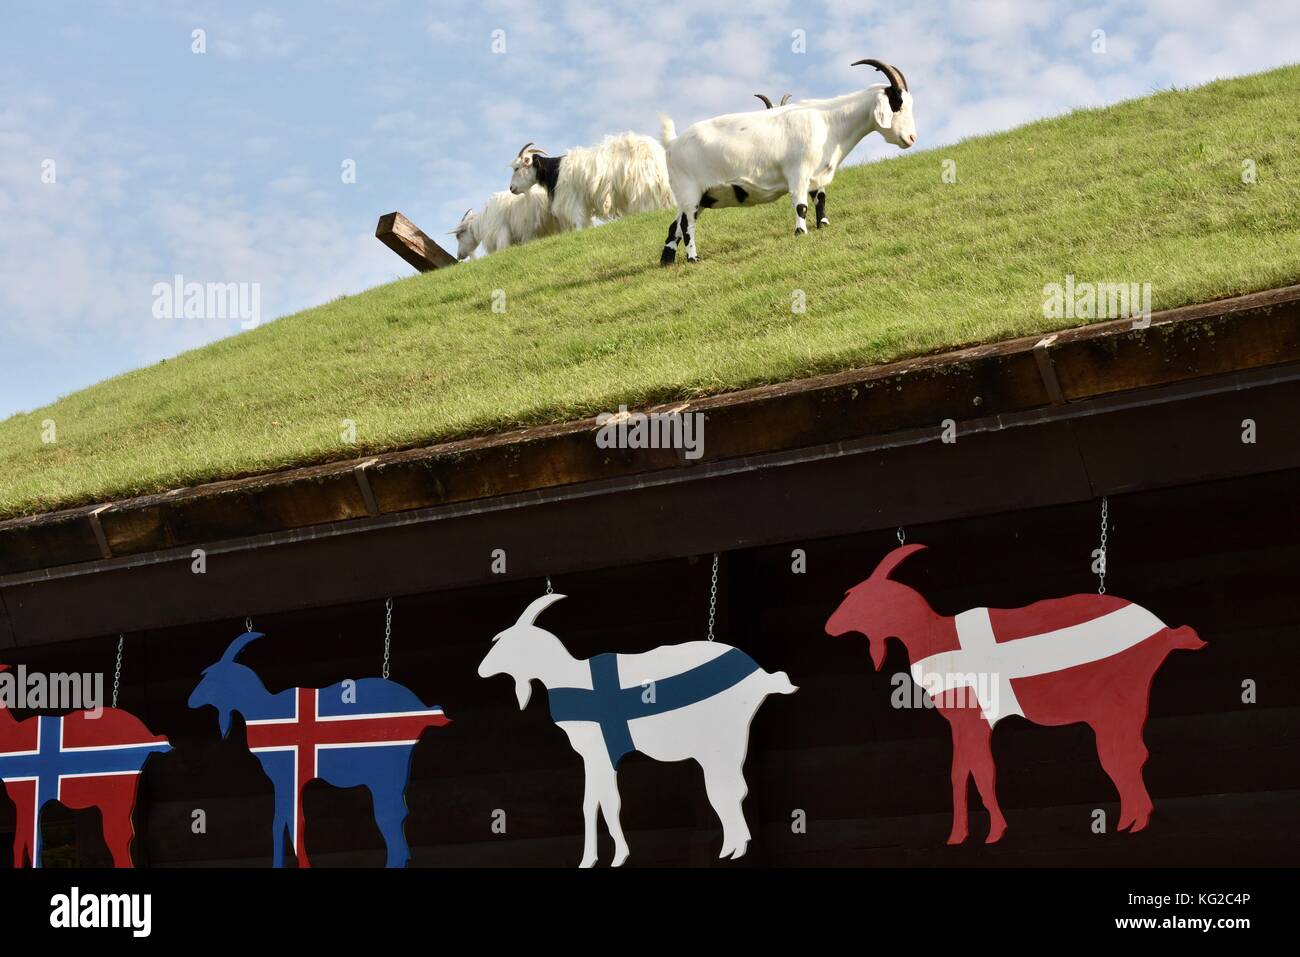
(80, 761)
(1083, 658)
(692, 700)
(352, 733)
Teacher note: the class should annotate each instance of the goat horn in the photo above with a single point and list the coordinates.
(536, 607)
(523, 149)
(766, 102)
(895, 78)
(894, 559)
(239, 644)
(785, 99)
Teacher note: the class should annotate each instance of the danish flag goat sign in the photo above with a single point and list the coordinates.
(1083, 658)
(353, 733)
(693, 700)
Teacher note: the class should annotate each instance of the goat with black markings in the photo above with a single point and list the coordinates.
(622, 175)
(748, 159)
(817, 196)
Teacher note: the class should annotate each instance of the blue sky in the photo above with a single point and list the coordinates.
(225, 166)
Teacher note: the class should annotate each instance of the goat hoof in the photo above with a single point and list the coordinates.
(619, 858)
(800, 232)
(823, 222)
(692, 259)
(668, 257)
(588, 861)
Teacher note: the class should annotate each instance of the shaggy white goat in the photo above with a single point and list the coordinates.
(625, 174)
(506, 219)
(746, 159)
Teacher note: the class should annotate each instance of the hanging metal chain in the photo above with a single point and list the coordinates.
(388, 633)
(713, 596)
(549, 589)
(117, 672)
(1101, 552)
(902, 536)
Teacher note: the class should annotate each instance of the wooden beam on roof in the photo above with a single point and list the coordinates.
(411, 243)
(1050, 460)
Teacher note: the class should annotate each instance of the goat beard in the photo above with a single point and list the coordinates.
(523, 691)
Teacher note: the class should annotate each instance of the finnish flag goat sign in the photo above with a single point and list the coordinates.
(1083, 658)
(693, 700)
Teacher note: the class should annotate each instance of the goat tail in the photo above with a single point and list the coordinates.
(1185, 638)
(780, 683)
(667, 129)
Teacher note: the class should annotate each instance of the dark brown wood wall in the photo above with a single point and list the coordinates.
(1222, 557)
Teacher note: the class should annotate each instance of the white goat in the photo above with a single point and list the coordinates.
(625, 174)
(693, 700)
(506, 219)
(817, 196)
(747, 159)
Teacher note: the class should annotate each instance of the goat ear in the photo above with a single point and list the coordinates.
(882, 114)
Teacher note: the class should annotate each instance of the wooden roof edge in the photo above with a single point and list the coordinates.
(1242, 333)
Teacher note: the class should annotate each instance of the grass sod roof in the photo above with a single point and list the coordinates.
(1150, 190)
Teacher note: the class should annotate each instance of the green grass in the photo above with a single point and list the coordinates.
(1146, 191)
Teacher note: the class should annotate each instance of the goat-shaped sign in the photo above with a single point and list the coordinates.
(353, 733)
(693, 700)
(1084, 658)
(81, 761)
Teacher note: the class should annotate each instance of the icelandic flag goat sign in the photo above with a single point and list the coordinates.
(1083, 658)
(353, 733)
(81, 761)
(693, 700)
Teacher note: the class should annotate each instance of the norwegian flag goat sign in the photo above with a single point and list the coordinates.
(1083, 658)
(81, 759)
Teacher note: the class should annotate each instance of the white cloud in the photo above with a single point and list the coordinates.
(78, 277)
(261, 35)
